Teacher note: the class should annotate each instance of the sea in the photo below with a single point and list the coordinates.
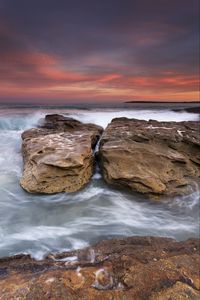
(39, 224)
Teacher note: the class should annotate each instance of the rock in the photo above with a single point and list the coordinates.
(157, 158)
(130, 268)
(193, 110)
(58, 156)
(179, 291)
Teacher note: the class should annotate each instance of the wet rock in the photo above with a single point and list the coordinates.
(103, 280)
(157, 158)
(194, 109)
(130, 268)
(179, 291)
(58, 156)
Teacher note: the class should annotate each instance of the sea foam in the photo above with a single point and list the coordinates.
(39, 224)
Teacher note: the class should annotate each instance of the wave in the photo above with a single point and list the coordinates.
(20, 122)
(102, 118)
(39, 224)
(25, 120)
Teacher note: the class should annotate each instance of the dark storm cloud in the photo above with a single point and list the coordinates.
(76, 27)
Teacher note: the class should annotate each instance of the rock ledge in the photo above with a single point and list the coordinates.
(157, 158)
(130, 268)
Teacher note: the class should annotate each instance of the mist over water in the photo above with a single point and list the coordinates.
(38, 224)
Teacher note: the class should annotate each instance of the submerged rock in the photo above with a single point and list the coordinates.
(157, 158)
(58, 156)
(130, 268)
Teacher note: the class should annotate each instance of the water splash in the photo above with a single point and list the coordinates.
(39, 224)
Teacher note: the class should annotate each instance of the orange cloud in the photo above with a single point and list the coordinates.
(109, 77)
(43, 76)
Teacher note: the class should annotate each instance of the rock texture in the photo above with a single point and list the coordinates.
(158, 158)
(135, 268)
(58, 156)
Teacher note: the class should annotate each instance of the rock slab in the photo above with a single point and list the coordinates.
(58, 156)
(136, 268)
(157, 158)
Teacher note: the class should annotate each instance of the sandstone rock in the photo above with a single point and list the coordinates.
(151, 157)
(179, 291)
(58, 156)
(130, 268)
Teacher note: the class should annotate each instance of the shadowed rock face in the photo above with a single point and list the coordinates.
(131, 268)
(58, 156)
(157, 158)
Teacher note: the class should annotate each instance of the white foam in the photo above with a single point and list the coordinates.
(68, 259)
(103, 117)
(39, 224)
(20, 121)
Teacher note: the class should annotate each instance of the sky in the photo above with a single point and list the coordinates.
(68, 51)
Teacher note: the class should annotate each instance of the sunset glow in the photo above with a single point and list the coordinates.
(92, 51)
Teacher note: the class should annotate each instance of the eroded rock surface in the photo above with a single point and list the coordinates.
(151, 157)
(123, 269)
(58, 156)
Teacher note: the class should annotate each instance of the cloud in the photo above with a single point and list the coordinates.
(110, 49)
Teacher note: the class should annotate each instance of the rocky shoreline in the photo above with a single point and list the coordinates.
(154, 158)
(150, 157)
(136, 268)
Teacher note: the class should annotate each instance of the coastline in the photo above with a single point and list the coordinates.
(129, 268)
(120, 267)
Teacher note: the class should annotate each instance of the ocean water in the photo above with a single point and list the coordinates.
(39, 224)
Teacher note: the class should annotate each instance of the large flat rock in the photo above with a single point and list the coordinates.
(157, 158)
(58, 156)
(135, 268)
